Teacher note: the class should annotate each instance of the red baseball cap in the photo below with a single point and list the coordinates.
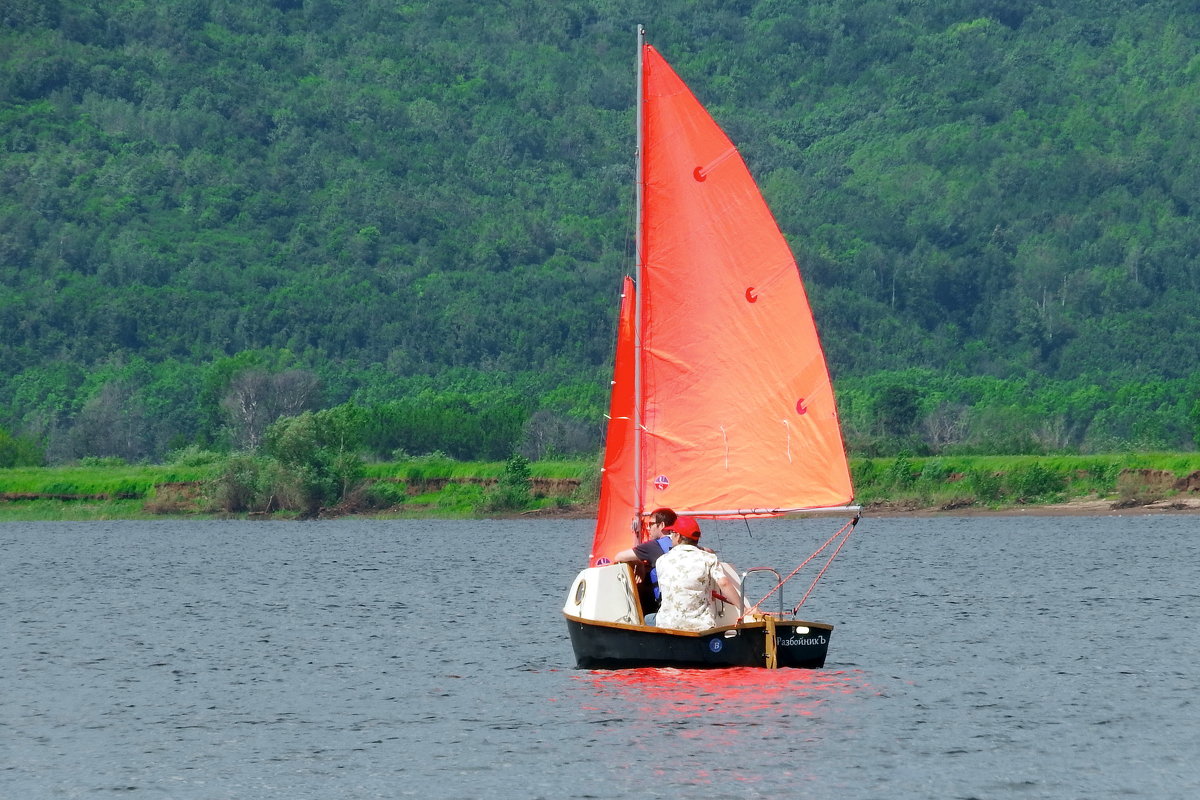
(687, 527)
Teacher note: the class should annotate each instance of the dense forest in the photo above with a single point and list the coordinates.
(215, 214)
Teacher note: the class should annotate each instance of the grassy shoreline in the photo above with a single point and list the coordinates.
(433, 488)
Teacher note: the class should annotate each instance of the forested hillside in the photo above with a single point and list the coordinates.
(424, 208)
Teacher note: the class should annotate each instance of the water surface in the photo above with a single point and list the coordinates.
(973, 658)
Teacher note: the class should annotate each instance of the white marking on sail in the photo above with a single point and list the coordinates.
(702, 172)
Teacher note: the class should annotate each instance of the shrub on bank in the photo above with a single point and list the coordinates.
(512, 491)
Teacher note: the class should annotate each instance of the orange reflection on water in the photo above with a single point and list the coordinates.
(741, 690)
(720, 725)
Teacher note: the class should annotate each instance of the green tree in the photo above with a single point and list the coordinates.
(19, 451)
(318, 453)
(898, 409)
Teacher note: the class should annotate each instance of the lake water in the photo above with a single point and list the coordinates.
(973, 658)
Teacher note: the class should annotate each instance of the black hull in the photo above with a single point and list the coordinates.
(600, 645)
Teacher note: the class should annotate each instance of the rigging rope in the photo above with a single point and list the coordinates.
(844, 532)
(851, 525)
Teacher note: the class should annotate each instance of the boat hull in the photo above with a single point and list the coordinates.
(600, 645)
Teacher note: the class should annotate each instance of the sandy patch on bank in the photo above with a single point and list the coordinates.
(1089, 507)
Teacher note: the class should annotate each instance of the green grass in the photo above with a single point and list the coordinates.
(123, 491)
(91, 481)
(108, 491)
(427, 468)
(74, 510)
(999, 481)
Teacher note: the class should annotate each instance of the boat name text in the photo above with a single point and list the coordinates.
(792, 641)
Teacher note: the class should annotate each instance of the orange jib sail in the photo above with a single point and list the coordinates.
(615, 519)
(738, 408)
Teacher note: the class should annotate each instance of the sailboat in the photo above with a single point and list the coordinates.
(721, 402)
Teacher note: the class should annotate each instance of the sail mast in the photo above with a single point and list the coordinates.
(639, 270)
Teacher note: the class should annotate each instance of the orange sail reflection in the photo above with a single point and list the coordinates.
(704, 718)
(681, 693)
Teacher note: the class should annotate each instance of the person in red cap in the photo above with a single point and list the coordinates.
(688, 576)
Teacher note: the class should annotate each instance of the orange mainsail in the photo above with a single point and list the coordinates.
(729, 383)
